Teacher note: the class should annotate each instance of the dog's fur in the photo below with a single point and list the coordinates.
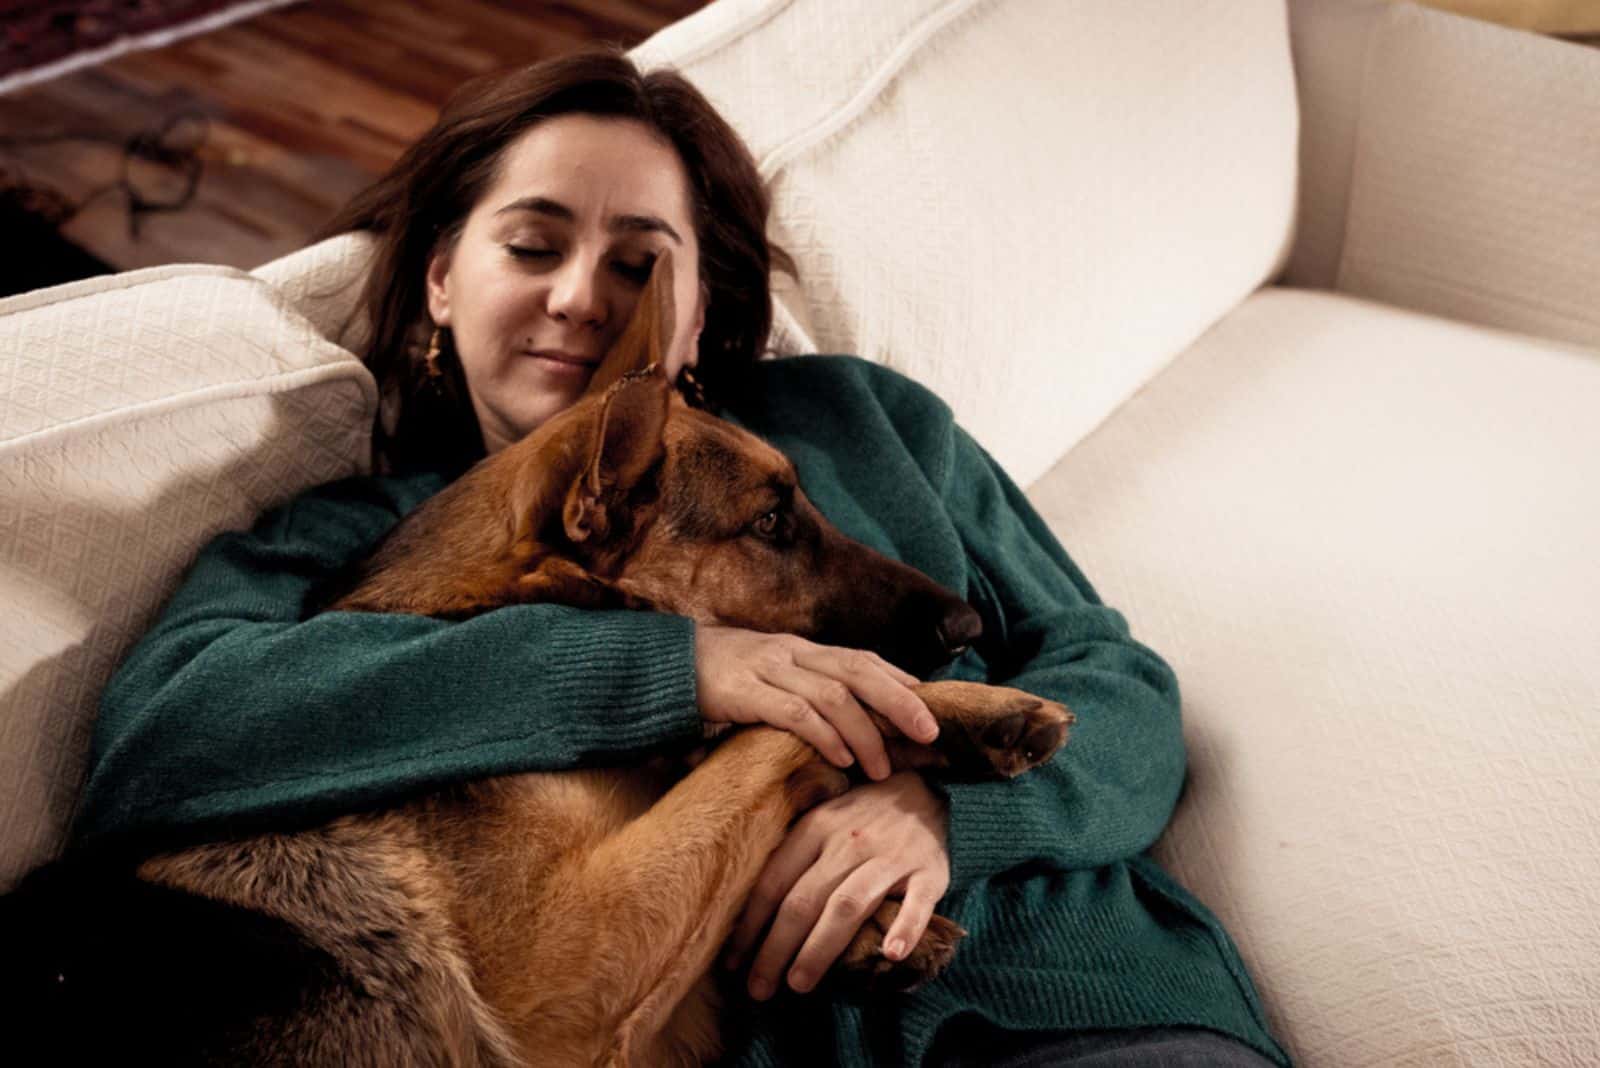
(564, 918)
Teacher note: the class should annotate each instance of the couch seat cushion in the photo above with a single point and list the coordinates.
(1369, 543)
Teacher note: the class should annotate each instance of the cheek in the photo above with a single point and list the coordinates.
(686, 299)
(490, 313)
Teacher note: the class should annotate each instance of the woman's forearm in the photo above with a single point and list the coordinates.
(1111, 790)
(234, 710)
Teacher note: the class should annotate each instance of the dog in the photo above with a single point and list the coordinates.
(550, 918)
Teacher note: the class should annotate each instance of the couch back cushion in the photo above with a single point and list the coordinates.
(140, 415)
(1029, 207)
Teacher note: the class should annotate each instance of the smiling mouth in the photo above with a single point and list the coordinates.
(566, 359)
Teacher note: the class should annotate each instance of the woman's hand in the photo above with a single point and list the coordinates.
(814, 691)
(833, 871)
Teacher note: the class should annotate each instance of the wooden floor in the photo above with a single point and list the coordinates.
(305, 105)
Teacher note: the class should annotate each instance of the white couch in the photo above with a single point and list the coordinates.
(1289, 317)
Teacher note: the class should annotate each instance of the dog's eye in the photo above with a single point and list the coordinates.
(767, 525)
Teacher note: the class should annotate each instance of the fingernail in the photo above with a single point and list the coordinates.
(760, 989)
(800, 981)
(895, 948)
(927, 727)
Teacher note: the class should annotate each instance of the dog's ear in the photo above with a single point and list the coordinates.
(644, 342)
(537, 488)
(628, 441)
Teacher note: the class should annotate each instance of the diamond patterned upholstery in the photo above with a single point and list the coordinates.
(144, 413)
(1114, 200)
(1364, 539)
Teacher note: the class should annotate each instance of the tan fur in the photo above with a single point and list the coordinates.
(573, 918)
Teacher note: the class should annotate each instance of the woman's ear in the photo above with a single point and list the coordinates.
(438, 291)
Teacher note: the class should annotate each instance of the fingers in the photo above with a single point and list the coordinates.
(923, 891)
(904, 678)
(821, 915)
(832, 871)
(848, 907)
(876, 683)
(784, 706)
(798, 852)
(832, 700)
(819, 692)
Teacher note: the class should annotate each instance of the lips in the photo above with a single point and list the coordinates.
(560, 356)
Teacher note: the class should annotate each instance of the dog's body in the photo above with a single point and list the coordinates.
(572, 918)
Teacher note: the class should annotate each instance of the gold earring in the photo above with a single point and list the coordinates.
(432, 357)
(690, 387)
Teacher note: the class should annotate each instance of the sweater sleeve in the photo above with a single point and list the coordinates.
(235, 713)
(1109, 792)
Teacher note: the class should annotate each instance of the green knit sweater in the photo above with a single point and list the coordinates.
(235, 713)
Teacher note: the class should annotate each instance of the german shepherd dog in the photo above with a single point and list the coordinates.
(555, 918)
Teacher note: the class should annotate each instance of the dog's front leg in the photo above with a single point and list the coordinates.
(628, 928)
(985, 732)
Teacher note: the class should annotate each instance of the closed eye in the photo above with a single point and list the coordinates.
(637, 273)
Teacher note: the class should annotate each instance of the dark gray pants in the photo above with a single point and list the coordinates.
(981, 1046)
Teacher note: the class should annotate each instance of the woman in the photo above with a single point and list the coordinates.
(513, 240)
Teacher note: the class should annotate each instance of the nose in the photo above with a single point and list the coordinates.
(575, 296)
(928, 628)
(958, 629)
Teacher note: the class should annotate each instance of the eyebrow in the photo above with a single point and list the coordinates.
(617, 223)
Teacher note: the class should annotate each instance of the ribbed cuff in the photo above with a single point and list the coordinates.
(988, 830)
(631, 685)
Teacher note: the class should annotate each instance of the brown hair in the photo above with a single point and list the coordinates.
(425, 198)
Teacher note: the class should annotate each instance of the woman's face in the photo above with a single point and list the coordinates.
(546, 270)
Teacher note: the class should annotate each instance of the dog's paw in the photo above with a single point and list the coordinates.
(1026, 732)
(864, 969)
(995, 731)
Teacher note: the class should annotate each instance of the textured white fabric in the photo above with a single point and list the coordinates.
(323, 283)
(1330, 40)
(1366, 541)
(1364, 538)
(1471, 157)
(142, 414)
(1028, 207)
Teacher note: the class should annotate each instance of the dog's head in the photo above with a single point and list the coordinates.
(633, 498)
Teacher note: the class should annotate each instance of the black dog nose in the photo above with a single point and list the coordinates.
(959, 628)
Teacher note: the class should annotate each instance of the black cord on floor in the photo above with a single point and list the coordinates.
(174, 143)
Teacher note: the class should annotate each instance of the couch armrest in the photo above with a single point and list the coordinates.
(141, 414)
(323, 283)
(1449, 165)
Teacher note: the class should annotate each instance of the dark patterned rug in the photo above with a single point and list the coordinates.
(36, 34)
